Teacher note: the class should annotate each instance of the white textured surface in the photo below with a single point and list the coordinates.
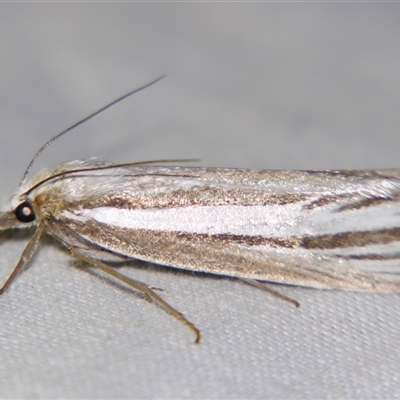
(249, 85)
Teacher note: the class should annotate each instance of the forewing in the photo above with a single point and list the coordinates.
(327, 229)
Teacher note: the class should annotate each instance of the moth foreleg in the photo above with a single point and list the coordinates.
(26, 256)
(139, 286)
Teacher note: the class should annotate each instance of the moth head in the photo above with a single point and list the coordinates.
(22, 210)
(20, 216)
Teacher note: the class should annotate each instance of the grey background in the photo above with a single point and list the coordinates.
(258, 85)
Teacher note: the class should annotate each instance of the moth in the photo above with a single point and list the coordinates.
(318, 229)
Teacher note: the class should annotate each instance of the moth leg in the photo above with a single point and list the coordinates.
(141, 287)
(264, 287)
(26, 256)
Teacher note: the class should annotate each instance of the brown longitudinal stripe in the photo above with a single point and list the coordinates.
(351, 205)
(368, 202)
(370, 256)
(194, 196)
(354, 173)
(321, 242)
(327, 199)
(248, 240)
(351, 239)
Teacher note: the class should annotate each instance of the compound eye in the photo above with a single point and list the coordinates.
(25, 213)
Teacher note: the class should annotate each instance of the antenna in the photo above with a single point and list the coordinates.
(53, 139)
